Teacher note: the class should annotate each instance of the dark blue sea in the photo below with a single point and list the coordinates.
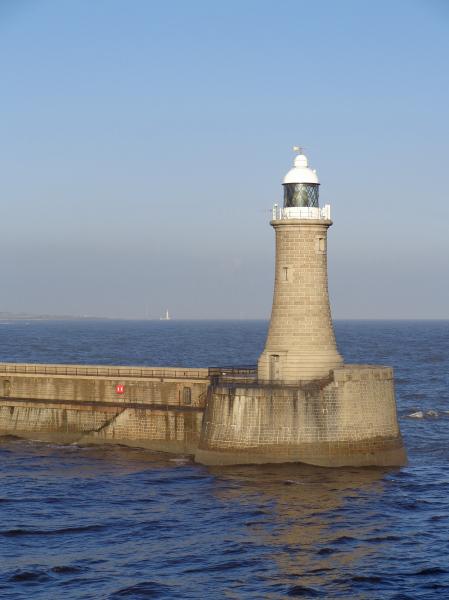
(127, 524)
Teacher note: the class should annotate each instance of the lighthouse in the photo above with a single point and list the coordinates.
(300, 345)
(302, 404)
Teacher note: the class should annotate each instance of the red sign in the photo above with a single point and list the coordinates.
(119, 388)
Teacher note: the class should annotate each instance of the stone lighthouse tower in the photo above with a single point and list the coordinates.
(301, 343)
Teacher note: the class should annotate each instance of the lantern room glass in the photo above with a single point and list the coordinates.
(301, 194)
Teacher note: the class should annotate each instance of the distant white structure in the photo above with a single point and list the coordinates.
(166, 317)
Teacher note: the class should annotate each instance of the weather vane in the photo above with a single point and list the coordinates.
(298, 149)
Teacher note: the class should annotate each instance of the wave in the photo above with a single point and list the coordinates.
(223, 566)
(38, 576)
(66, 569)
(383, 538)
(430, 571)
(22, 532)
(298, 591)
(366, 579)
(326, 551)
(428, 414)
(145, 589)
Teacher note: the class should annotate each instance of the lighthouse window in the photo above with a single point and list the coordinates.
(285, 270)
(301, 194)
(320, 245)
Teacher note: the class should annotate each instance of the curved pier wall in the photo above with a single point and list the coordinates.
(346, 419)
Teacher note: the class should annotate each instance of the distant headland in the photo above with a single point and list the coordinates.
(24, 316)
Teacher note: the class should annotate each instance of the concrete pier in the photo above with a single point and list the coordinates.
(218, 416)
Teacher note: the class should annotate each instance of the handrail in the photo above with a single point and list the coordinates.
(301, 212)
(105, 370)
(123, 371)
(244, 370)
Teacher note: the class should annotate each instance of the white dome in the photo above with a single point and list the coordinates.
(301, 173)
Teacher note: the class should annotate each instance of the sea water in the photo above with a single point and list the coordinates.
(118, 523)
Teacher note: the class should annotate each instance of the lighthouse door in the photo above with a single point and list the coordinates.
(275, 367)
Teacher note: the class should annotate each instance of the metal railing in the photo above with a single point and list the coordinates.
(124, 371)
(301, 212)
(244, 370)
(104, 371)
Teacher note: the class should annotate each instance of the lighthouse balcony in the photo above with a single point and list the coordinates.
(301, 212)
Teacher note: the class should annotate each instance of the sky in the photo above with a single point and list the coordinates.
(144, 143)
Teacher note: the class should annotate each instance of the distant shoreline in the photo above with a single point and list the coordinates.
(26, 317)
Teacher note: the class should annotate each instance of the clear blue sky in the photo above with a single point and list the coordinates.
(143, 144)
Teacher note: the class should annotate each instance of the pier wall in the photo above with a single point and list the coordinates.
(159, 408)
(347, 418)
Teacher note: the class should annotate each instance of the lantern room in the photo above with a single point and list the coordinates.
(301, 192)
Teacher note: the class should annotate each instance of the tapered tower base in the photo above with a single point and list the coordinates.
(347, 419)
(300, 344)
